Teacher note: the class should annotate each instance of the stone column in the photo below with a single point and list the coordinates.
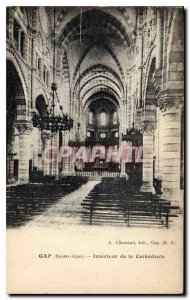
(12, 152)
(46, 139)
(147, 172)
(124, 147)
(170, 106)
(140, 68)
(123, 144)
(33, 67)
(129, 112)
(124, 115)
(40, 152)
(83, 123)
(66, 160)
(138, 118)
(27, 48)
(35, 147)
(24, 128)
(55, 151)
(159, 40)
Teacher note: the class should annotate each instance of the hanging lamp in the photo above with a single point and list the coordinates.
(49, 120)
(78, 140)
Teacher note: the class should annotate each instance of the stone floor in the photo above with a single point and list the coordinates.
(66, 210)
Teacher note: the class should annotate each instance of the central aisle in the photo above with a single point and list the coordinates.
(66, 211)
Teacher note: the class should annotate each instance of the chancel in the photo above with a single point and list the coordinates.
(93, 81)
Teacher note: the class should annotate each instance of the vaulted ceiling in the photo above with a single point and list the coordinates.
(94, 48)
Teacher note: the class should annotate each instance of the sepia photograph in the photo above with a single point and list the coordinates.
(95, 149)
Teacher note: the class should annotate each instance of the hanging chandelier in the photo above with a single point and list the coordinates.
(78, 140)
(49, 120)
(133, 135)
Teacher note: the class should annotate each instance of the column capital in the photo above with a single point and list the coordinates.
(148, 128)
(24, 127)
(16, 132)
(171, 100)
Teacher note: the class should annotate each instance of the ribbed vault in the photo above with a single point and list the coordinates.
(98, 75)
(101, 96)
(91, 28)
(91, 47)
(96, 27)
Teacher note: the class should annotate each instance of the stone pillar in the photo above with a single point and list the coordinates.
(27, 48)
(83, 123)
(129, 112)
(46, 138)
(170, 106)
(124, 115)
(159, 40)
(40, 152)
(123, 144)
(140, 68)
(55, 157)
(35, 147)
(24, 128)
(66, 160)
(11, 153)
(138, 118)
(33, 67)
(147, 172)
(10, 169)
(124, 147)
(72, 167)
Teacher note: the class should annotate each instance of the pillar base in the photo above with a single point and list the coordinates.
(67, 173)
(147, 189)
(123, 175)
(23, 180)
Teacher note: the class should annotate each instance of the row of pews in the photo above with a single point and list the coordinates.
(112, 202)
(25, 201)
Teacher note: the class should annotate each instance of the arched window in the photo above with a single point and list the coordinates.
(16, 29)
(103, 118)
(19, 38)
(91, 118)
(22, 45)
